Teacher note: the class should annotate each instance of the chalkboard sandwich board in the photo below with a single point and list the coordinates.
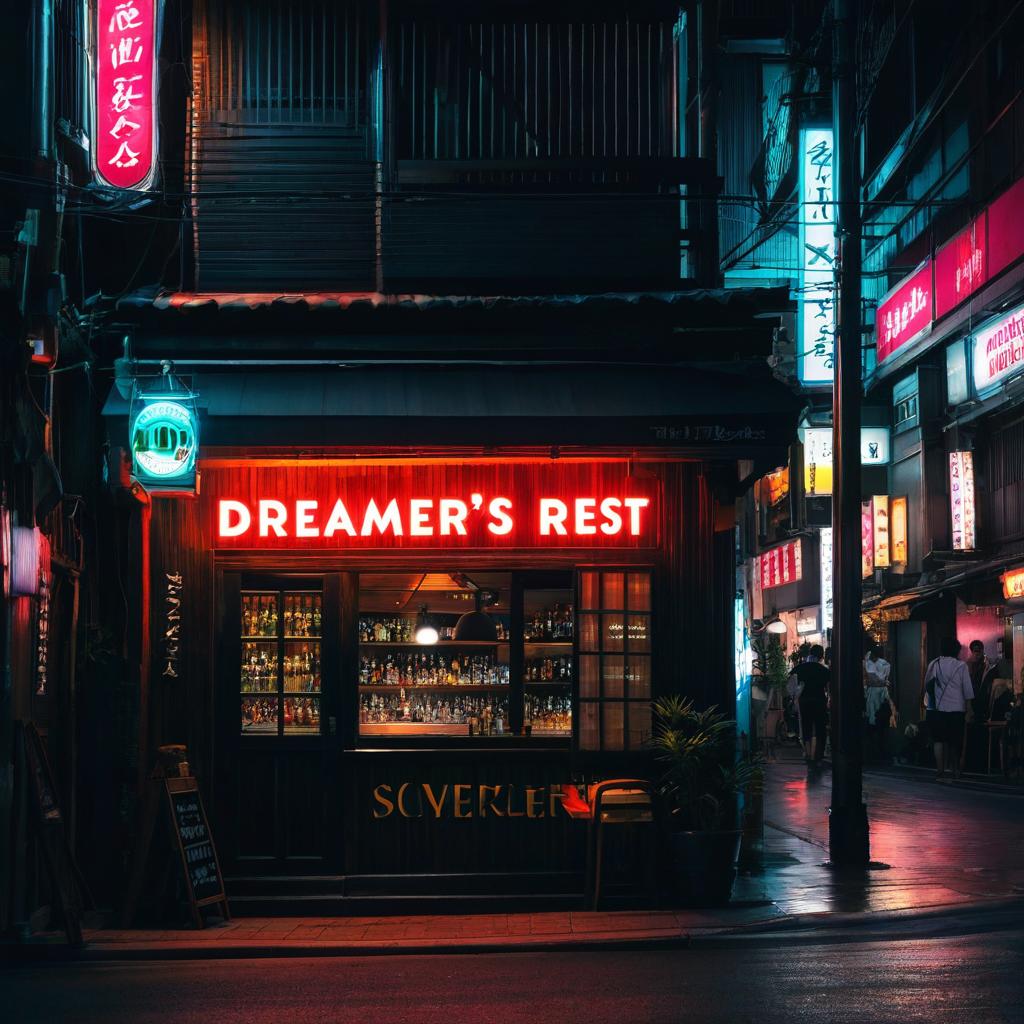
(203, 880)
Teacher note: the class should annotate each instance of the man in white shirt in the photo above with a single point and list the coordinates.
(877, 706)
(947, 689)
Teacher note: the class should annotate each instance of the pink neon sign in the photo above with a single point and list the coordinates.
(781, 565)
(126, 92)
(961, 266)
(905, 313)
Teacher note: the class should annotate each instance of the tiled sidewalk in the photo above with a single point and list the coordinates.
(426, 932)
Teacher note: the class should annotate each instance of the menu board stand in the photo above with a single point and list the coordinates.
(36, 793)
(191, 844)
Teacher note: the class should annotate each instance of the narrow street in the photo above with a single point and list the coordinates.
(976, 978)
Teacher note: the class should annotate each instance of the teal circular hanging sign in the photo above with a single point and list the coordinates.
(165, 437)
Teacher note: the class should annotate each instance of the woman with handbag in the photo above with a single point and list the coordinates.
(947, 689)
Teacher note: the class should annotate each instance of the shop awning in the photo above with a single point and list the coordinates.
(736, 411)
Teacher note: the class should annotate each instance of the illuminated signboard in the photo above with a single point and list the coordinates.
(777, 484)
(999, 350)
(816, 324)
(165, 439)
(874, 451)
(961, 266)
(961, 500)
(898, 530)
(874, 446)
(125, 100)
(781, 565)
(1005, 217)
(867, 539)
(818, 460)
(905, 314)
(430, 505)
(825, 538)
(880, 517)
(1013, 584)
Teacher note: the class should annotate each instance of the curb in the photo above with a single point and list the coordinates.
(912, 773)
(794, 929)
(98, 952)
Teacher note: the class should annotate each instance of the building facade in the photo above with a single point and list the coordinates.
(394, 323)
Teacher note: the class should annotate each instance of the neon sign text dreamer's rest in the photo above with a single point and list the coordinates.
(482, 505)
(425, 517)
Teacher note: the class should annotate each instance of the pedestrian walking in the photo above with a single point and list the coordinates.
(947, 689)
(813, 680)
(877, 698)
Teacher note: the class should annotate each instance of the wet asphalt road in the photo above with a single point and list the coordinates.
(967, 979)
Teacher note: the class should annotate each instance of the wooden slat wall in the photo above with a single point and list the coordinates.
(182, 709)
(283, 186)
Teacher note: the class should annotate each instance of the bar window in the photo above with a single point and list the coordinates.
(280, 666)
(434, 654)
(614, 647)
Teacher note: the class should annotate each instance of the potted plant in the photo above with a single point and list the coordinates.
(703, 781)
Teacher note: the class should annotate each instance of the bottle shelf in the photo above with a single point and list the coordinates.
(434, 688)
(260, 639)
(548, 643)
(543, 683)
(304, 639)
(412, 645)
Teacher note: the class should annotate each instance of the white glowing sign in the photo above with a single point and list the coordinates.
(826, 577)
(816, 323)
(961, 500)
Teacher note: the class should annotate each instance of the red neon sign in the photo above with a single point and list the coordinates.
(781, 565)
(126, 92)
(961, 266)
(905, 313)
(408, 506)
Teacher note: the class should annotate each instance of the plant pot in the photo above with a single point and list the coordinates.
(704, 866)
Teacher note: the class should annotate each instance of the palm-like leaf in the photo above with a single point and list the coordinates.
(703, 775)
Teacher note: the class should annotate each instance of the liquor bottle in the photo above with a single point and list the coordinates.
(317, 617)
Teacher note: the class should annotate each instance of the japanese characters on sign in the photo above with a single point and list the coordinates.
(172, 625)
(961, 499)
(781, 565)
(125, 98)
(880, 517)
(1013, 584)
(961, 266)
(867, 538)
(905, 314)
(999, 350)
(825, 538)
(816, 324)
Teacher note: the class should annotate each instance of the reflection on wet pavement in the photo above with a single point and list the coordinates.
(939, 844)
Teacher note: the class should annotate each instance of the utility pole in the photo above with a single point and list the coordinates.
(848, 820)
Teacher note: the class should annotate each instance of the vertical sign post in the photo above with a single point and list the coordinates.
(125, 97)
(816, 324)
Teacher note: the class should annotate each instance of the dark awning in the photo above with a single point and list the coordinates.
(727, 413)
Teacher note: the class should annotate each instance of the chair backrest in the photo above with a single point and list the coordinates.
(622, 800)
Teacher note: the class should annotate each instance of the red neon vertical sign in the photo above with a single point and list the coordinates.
(126, 92)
